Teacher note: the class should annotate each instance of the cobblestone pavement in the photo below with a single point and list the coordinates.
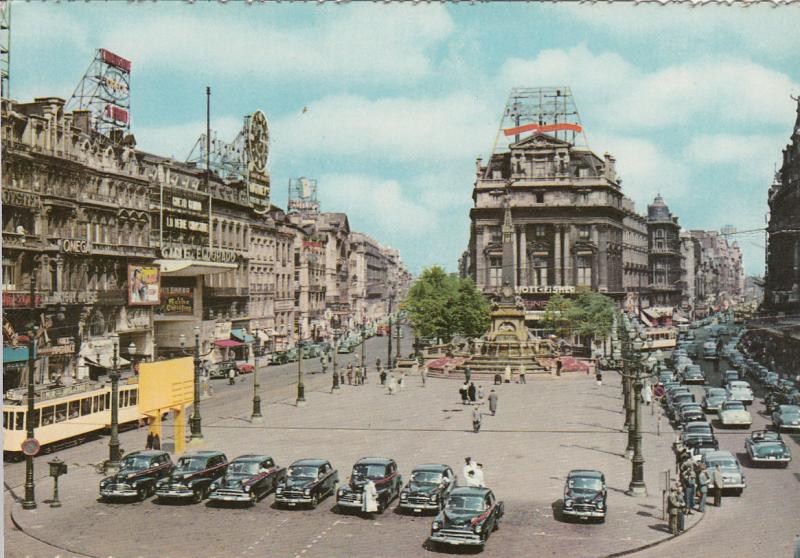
(541, 431)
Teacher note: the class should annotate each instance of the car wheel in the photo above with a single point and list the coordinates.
(141, 493)
(314, 501)
(197, 495)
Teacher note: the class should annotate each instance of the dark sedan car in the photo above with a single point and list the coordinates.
(138, 474)
(713, 399)
(428, 488)
(308, 482)
(690, 412)
(193, 475)
(786, 417)
(468, 518)
(585, 495)
(765, 447)
(693, 375)
(247, 479)
(381, 471)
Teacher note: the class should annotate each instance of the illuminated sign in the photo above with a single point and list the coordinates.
(117, 114)
(177, 301)
(23, 199)
(183, 203)
(204, 253)
(115, 60)
(186, 224)
(545, 289)
(73, 246)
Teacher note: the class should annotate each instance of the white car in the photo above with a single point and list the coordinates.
(734, 413)
(739, 390)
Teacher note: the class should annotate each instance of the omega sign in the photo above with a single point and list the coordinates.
(74, 246)
(545, 289)
(216, 255)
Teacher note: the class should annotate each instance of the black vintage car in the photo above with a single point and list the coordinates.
(138, 474)
(383, 472)
(428, 489)
(248, 478)
(468, 518)
(193, 475)
(308, 482)
(585, 495)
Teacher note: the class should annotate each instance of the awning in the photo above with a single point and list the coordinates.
(14, 354)
(106, 362)
(225, 343)
(242, 335)
(193, 268)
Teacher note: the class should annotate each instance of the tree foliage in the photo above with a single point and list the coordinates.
(441, 306)
(588, 315)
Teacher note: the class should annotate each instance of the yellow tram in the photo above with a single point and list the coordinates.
(664, 338)
(65, 415)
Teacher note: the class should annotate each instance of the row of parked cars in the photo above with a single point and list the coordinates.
(465, 515)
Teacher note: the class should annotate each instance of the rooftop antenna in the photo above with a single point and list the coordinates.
(5, 49)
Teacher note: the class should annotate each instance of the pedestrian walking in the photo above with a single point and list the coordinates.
(350, 374)
(358, 375)
(323, 364)
(719, 484)
(149, 443)
(377, 364)
(423, 373)
(508, 374)
(558, 366)
(498, 379)
(471, 392)
(647, 394)
(231, 376)
(703, 480)
(383, 376)
(364, 378)
(480, 393)
(493, 402)
(156, 441)
(464, 392)
(599, 378)
(522, 374)
(341, 378)
(476, 419)
(467, 374)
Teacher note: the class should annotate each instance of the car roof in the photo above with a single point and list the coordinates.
(718, 454)
(470, 491)
(203, 453)
(374, 461)
(147, 453)
(739, 383)
(782, 408)
(252, 457)
(312, 461)
(432, 467)
(589, 473)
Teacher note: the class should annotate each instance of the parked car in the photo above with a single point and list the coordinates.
(308, 482)
(192, 476)
(731, 469)
(278, 357)
(765, 447)
(469, 517)
(138, 473)
(739, 391)
(345, 347)
(734, 413)
(221, 369)
(693, 375)
(248, 478)
(585, 495)
(786, 417)
(428, 488)
(689, 412)
(699, 435)
(383, 472)
(675, 401)
(710, 350)
(713, 399)
(729, 376)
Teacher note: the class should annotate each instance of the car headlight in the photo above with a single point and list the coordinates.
(247, 488)
(404, 495)
(567, 503)
(307, 492)
(600, 505)
(279, 490)
(436, 525)
(477, 528)
(434, 497)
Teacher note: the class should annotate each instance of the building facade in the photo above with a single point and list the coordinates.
(635, 256)
(664, 247)
(782, 281)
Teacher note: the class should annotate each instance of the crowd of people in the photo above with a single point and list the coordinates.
(690, 491)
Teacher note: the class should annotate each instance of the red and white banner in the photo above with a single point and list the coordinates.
(543, 128)
(115, 60)
(117, 113)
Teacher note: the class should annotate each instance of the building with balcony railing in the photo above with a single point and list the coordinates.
(664, 250)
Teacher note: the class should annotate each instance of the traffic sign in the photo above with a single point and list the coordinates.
(659, 391)
(30, 446)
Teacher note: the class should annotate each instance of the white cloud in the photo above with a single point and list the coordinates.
(427, 130)
(349, 44)
(751, 155)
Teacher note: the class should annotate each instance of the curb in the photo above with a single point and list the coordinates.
(655, 543)
(34, 537)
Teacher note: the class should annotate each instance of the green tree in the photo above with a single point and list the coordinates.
(591, 316)
(471, 310)
(557, 315)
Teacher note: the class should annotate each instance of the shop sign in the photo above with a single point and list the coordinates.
(19, 300)
(183, 203)
(144, 285)
(186, 224)
(204, 253)
(177, 301)
(19, 198)
(73, 246)
(545, 289)
(60, 349)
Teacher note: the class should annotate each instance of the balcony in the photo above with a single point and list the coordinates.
(21, 240)
(226, 291)
(109, 249)
(661, 250)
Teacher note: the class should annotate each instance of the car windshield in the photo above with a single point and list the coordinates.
(790, 411)
(716, 392)
(243, 467)
(734, 406)
(726, 464)
(375, 471)
(303, 471)
(426, 477)
(585, 483)
(136, 462)
(769, 447)
(698, 428)
(465, 503)
(191, 464)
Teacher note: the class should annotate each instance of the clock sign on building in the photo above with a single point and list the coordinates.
(257, 151)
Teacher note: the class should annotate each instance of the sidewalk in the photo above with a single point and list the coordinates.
(541, 431)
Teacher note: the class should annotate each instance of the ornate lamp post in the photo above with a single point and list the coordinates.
(195, 421)
(389, 348)
(363, 344)
(301, 388)
(258, 350)
(113, 443)
(399, 333)
(29, 502)
(336, 332)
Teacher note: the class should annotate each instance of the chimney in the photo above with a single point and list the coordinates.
(82, 120)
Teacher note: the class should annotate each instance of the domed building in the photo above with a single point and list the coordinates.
(664, 246)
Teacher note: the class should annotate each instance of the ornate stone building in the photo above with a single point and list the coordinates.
(635, 257)
(666, 283)
(782, 282)
(566, 218)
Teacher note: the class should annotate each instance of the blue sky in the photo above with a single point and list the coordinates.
(693, 102)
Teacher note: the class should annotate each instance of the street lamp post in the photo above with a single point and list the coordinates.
(29, 503)
(301, 388)
(397, 354)
(256, 416)
(195, 421)
(389, 349)
(335, 387)
(637, 486)
(113, 443)
(363, 344)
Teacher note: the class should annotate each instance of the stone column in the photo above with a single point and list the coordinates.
(480, 263)
(523, 257)
(602, 255)
(557, 254)
(568, 273)
(515, 259)
(796, 282)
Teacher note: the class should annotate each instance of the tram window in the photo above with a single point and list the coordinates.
(5, 420)
(36, 413)
(47, 415)
(134, 394)
(19, 424)
(95, 404)
(86, 406)
(102, 403)
(108, 400)
(124, 399)
(74, 409)
(61, 412)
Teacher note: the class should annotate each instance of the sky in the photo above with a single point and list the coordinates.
(401, 99)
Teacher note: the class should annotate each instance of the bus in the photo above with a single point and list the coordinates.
(65, 416)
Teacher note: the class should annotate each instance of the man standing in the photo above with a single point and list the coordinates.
(558, 367)
(703, 479)
(476, 419)
(508, 374)
(674, 504)
(471, 392)
(370, 499)
(349, 373)
(522, 374)
(423, 373)
(323, 361)
(719, 484)
(493, 402)
(377, 364)
(688, 487)
(467, 374)
(383, 375)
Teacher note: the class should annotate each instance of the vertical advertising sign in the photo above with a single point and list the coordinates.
(144, 285)
(257, 150)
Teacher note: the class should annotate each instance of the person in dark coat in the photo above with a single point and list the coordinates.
(471, 391)
(467, 374)
(156, 442)
(558, 367)
(493, 402)
(464, 391)
(149, 443)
